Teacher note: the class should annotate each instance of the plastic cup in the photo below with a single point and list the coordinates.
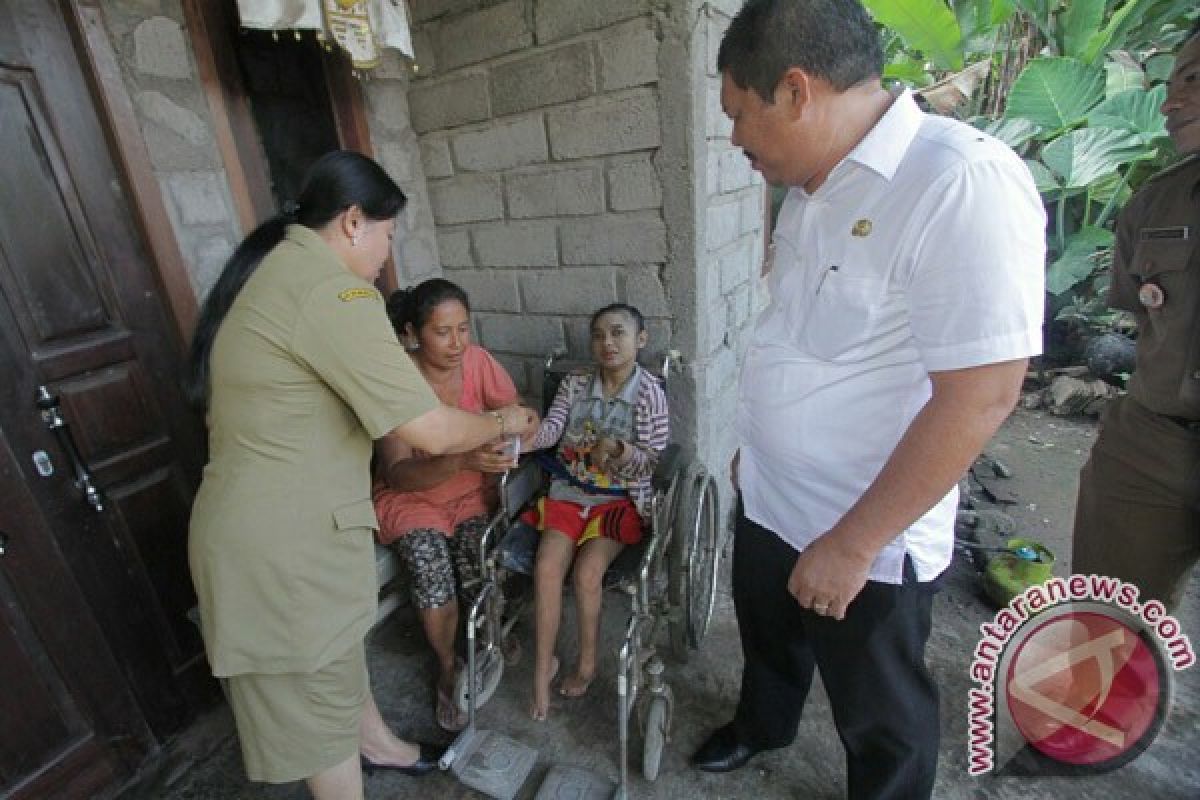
(511, 448)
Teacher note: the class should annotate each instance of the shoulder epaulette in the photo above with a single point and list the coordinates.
(1183, 163)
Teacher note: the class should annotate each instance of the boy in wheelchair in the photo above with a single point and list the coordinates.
(609, 425)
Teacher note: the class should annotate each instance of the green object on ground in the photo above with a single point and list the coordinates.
(1012, 571)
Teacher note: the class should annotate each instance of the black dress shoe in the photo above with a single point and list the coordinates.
(723, 752)
(427, 761)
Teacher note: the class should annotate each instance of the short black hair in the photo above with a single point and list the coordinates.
(831, 39)
(623, 308)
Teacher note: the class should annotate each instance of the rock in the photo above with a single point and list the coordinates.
(1110, 354)
(1001, 469)
(1066, 395)
(1031, 400)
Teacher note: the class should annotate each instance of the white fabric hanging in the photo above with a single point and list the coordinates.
(359, 26)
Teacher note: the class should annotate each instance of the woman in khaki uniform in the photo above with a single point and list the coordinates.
(299, 369)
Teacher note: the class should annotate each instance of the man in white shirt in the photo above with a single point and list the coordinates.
(906, 299)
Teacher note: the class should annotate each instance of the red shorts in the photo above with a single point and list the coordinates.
(618, 520)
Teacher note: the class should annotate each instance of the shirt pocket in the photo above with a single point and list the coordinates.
(1164, 262)
(358, 515)
(840, 318)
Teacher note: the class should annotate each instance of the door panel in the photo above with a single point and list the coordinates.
(81, 315)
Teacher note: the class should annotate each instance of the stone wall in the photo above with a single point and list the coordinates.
(540, 132)
(158, 68)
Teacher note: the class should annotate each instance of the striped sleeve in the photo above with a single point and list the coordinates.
(651, 430)
(551, 429)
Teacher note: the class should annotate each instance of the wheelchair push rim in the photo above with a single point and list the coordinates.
(703, 562)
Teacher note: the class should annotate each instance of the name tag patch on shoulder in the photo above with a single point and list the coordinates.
(346, 295)
(1180, 232)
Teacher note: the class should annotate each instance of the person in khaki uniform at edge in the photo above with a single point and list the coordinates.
(299, 369)
(1138, 515)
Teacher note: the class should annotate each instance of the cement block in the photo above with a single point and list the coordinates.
(398, 159)
(736, 263)
(544, 78)
(641, 287)
(639, 238)
(416, 257)
(502, 145)
(484, 34)
(161, 50)
(612, 124)
(387, 104)
(454, 248)
(722, 224)
(424, 55)
(628, 55)
(579, 337)
(517, 369)
(558, 19)
(200, 197)
(435, 157)
(489, 290)
(575, 291)
(516, 244)
(736, 172)
(467, 198)
(753, 213)
(426, 10)
(526, 334)
(176, 137)
(715, 29)
(448, 102)
(633, 184)
(712, 169)
(555, 192)
(719, 125)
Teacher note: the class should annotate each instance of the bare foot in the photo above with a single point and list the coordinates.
(577, 685)
(539, 705)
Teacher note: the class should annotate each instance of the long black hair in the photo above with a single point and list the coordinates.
(414, 306)
(334, 183)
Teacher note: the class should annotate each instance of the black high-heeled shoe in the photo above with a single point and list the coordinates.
(427, 761)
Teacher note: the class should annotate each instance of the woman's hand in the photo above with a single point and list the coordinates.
(490, 458)
(607, 453)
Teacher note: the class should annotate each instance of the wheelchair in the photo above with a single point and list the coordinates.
(670, 578)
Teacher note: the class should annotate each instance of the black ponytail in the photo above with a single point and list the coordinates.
(334, 183)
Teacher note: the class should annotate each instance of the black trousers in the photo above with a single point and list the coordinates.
(872, 663)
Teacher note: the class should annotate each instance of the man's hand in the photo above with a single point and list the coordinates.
(828, 576)
(490, 458)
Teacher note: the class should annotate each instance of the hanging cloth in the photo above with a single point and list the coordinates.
(360, 27)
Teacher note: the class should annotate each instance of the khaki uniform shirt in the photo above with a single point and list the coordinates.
(306, 371)
(1157, 260)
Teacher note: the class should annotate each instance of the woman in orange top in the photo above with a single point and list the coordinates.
(433, 509)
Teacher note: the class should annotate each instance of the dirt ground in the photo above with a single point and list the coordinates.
(1044, 454)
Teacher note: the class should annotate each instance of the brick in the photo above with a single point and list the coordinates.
(628, 55)
(723, 224)
(512, 333)
(641, 287)
(555, 192)
(387, 104)
(468, 198)
(717, 25)
(736, 264)
(417, 256)
(712, 169)
(516, 244)
(633, 185)
(613, 124)
(481, 35)
(576, 291)
(425, 10)
(579, 337)
(517, 369)
(160, 49)
(490, 290)
(424, 57)
(454, 248)
(176, 137)
(753, 215)
(736, 172)
(502, 145)
(558, 19)
(719, 125)
(435, 157)
(545, 78)
(449, 102)
(615, 239)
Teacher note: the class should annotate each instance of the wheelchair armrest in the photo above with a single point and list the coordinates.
(521, 485)
(668, 465)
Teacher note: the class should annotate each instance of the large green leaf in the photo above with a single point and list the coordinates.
(1078, 261)
(1038, 12)
(1158, 67)
(1076, 26)
(1078, 158)
(925, 25)
(906, 69)
(1043, 178)
(1112, 35)
(1135, 111)
(1014, 132)
(1055, 93)
(1121, 75)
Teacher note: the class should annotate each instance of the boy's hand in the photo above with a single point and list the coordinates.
(606, 453)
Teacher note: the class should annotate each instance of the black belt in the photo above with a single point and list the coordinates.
(1189, 425)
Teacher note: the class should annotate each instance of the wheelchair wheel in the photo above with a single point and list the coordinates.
(654, 737)
(489, 667)
(693, 562)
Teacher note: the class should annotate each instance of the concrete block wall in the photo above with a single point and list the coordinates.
(540, 128)
(159, 72)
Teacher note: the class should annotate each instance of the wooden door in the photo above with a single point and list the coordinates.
(92, 599)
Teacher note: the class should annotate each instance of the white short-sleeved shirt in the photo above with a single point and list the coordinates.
(923, 251)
